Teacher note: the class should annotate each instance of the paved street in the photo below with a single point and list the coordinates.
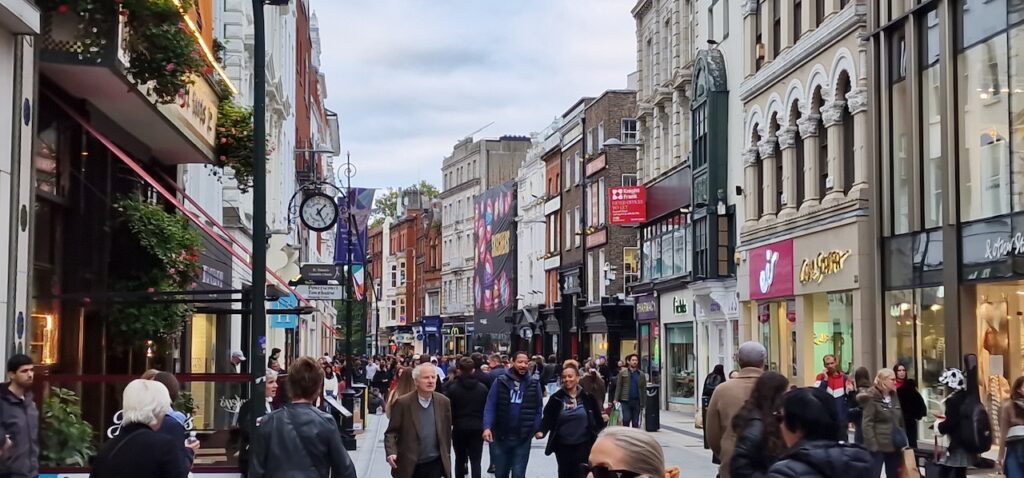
(678, 437)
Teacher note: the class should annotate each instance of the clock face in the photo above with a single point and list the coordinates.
(318, 212)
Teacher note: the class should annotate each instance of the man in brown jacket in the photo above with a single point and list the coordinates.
(727, 400)
(418, 441)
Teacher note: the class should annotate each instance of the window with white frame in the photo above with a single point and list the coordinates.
(629, 180)
(568, 173)
(602, 285)
(590, 141)
(578, 166)
(568, 229)
(577, 226)
(629, 131)
(394, 275)
(602, 202)
(600, 136)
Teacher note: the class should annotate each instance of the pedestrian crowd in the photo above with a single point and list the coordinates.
(443, 410)
(440, 406)
(757, 424)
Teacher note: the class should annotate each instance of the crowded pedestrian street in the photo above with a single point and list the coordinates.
(681, 442)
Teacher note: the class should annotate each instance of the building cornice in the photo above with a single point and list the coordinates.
(811, 45)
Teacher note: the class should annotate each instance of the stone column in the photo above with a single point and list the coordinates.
(831, 116)
(751, 193)
(749, 29)
(787, 144)
(808, 125)
(857, 101)
(768, 165)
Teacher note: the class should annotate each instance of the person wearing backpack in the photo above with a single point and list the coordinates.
(957, 424)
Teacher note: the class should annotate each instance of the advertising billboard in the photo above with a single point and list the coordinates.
(494, 283)
(628, 205)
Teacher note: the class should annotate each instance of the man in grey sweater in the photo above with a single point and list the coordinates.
(418, 441)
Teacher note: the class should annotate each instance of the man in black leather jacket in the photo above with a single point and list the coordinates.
(299, 439)
(809, 427)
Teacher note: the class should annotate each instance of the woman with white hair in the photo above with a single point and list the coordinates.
(138, 450)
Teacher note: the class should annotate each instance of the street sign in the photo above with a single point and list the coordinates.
(628, 205)
(321, 292)
(321, 272)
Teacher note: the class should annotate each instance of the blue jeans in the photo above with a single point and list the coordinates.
(1014, 466)
(510, 456)
(631, 413)
(891, 462)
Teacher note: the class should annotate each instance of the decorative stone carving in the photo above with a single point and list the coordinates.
(767, 147)
(808, 125)
(750, 157)
(750, 7)
(787, 137)
(857, 100)
(832, 113)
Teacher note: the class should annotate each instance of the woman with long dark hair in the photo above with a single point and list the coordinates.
(759, 441)
(573, 419)
(914, 408)
(1011, 431)
(862, 379)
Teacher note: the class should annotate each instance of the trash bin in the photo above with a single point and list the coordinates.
(652, 408)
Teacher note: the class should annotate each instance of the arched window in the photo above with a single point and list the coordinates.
(847, 132)
(758, 173)
(777, 154)
(822, 147)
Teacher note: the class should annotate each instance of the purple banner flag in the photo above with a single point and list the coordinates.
(354, 217)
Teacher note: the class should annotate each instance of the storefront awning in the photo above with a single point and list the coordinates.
(171, 198)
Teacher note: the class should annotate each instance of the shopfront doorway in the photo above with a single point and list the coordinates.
(776, 331)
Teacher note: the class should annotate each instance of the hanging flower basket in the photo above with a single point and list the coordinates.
(164, 57)
(235, 142)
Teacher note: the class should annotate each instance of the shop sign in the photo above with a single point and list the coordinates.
(628, 205)
(771, 270)
(1002, 247)
(646, 307)
(114, 430)
(321, 292)
(824, 264)
(320, 272)
(679, 306)
(404, 338)
(195, 111)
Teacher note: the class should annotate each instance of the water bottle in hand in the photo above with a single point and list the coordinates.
(191, 440)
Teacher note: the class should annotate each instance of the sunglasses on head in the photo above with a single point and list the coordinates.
(601, 471)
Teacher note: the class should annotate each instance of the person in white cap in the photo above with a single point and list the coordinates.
(237, 357)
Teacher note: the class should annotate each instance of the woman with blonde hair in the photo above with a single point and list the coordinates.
(882, 424)
(405, 385)
(623, 452)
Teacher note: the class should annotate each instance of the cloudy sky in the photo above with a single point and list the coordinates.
(408, 78)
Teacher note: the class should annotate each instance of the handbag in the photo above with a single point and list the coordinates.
(910, 469)
(615, 418)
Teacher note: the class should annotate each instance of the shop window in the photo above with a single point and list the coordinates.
(833, 328)
(681, 363)
(775, 331)
(915, 334)
(999, 316)
(43, 346)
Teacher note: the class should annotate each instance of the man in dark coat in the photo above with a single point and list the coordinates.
(511, 417)
(467, 397)
(20, 420)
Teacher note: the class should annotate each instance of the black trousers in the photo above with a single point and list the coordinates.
(430, 469)
(468, 446)
(570, 457)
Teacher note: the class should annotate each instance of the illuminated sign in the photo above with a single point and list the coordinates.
(824, 264)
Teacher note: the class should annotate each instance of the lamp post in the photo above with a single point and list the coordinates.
(348, 436)
(259, 209)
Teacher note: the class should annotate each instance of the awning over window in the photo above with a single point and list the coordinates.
(171, 198)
